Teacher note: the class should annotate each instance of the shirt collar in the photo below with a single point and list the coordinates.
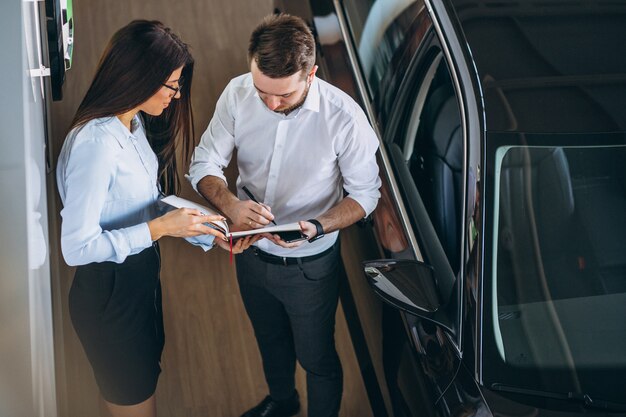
(312, 101)
(120, 132)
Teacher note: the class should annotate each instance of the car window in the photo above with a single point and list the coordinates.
(559, 267)
(378, 29)
(432, 148)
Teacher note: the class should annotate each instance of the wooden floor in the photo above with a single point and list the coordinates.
(211, 362)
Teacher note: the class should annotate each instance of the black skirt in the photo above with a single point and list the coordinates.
(116, 312)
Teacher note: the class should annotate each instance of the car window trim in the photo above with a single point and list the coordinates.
(418, 107)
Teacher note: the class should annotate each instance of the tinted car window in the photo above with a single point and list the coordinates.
(432, 146)
(559, 268)
(379, 29)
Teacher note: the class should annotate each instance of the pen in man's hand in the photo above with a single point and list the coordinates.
(249, 194)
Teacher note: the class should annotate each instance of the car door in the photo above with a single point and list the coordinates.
(425, 143)
(412, 99)
(420, 215)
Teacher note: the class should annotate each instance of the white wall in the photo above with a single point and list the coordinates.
(27, 386)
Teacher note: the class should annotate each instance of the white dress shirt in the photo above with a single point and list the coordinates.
(107, 179)
(297, 163)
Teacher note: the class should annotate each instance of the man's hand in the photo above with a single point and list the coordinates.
(239, 245)
(244, 215)
(247, 214)
(308, 229)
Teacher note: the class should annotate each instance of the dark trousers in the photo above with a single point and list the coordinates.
(292, 310)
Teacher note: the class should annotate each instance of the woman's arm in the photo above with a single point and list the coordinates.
(87, 180)
(88, 175)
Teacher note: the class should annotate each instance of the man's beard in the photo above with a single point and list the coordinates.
(299, 104)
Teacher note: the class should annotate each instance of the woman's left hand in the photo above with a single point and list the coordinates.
(239, 245)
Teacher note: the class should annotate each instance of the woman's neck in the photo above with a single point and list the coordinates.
(126, 118)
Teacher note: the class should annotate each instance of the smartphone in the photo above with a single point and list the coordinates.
(292, 236)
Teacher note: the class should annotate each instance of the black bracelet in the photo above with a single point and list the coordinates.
(319, 228)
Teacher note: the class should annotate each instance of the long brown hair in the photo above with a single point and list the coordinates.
(137, 61)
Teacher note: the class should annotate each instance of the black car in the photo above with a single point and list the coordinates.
(502, 221)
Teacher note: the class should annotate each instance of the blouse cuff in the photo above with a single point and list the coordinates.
(206, 242)
(138, 237)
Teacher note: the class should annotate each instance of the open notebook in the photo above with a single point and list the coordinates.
(288, 232)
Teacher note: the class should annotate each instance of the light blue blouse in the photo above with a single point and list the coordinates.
(107, 179)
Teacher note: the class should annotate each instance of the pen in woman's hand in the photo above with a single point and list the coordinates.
(249, 194)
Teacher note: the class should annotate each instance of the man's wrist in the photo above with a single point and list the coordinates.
(319, 230)
(228, 202)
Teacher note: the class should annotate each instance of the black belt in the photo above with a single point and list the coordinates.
(284, 260)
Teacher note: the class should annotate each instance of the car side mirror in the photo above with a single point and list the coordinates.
(405, 284)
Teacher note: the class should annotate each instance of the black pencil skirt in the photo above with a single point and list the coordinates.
(117, 314)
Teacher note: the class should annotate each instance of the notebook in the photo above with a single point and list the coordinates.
(288, 232)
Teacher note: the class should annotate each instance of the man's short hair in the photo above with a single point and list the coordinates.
(282, 45)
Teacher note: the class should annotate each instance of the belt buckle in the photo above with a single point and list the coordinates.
(284, 258)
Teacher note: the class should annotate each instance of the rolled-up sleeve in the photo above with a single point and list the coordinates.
(89, 172)
(216, 146)
(357, 162)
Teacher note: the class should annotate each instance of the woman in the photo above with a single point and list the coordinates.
(117, 160)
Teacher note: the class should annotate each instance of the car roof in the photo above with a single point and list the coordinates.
(548, 66)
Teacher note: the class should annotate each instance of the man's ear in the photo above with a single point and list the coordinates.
(312, 72)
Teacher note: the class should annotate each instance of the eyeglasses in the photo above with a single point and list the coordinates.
(174, 89)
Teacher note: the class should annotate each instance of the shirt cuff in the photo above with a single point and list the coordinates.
(204, 241)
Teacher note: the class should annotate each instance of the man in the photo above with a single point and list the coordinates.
(299, 141)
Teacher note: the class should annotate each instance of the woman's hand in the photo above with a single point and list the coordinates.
(184, 222)
(239, 245)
